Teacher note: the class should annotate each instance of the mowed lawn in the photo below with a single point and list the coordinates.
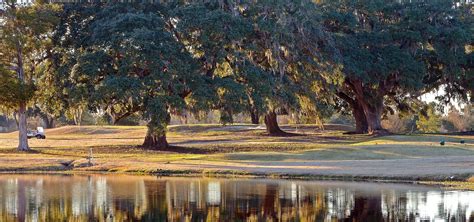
(236, 147)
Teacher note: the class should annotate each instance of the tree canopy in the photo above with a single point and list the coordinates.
(392, 52)
(128, 61)
(24, 51)
(261, 58)
(265, 57)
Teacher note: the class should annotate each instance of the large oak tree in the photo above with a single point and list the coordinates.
(392, 51)
(128, 61)
(264, 57)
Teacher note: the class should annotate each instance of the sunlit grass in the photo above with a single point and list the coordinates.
(117, 148)
(457, 185)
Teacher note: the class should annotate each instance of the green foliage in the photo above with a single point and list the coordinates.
(152, 60)
(291, 45)
(375, 45)
(215, 37)
(261, 55)
(24, 43)
(13, 91)
(429, 121)
(392, 51)
(128, 61)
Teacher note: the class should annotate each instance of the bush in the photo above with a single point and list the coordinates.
(429, 121)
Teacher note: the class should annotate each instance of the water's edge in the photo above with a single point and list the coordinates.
(452, 182)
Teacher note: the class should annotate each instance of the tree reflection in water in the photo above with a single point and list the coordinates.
(147, 198)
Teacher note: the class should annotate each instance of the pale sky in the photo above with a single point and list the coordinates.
(431, 97)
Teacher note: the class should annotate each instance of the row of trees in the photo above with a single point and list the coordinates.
(262, 58)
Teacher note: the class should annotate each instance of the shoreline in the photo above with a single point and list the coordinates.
(235, 151)
(457, 182)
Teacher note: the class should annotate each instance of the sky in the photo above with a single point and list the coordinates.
(431, 97)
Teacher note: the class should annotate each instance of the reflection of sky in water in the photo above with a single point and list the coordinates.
(214, 193)
(11, 196)
(431, 205)
(436, 204)
(80, 198)
(339, 202)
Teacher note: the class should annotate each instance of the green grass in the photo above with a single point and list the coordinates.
(457, 185)
(388, 147)
(117, 148)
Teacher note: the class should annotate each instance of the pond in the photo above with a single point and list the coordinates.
(147, 198)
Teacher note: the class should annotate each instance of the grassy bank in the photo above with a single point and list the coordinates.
(241, 150)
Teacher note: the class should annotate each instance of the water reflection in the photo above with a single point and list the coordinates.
(134, 198)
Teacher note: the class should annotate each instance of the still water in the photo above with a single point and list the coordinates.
(148, 198)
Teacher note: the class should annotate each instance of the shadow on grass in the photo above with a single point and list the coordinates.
(99, 138)
(14, 150)
(81, 152)
(191, 141)
(180, 149)
(281, 134)
(433, 138)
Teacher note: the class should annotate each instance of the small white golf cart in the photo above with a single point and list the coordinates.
(38, 133)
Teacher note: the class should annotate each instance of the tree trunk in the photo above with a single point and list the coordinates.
(372, 105)
(184, 118)
(357, 112)
(15, 116)
(22, 123)
(373, 115)
(360, 119)
(155, 141)
(155, 138)
(271, 124)
(22, 128)
(374, 120)
(48, 121)
(255, 117)
(77, 116)
(51, 123)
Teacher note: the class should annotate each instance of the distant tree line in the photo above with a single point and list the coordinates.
(151, 60)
